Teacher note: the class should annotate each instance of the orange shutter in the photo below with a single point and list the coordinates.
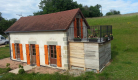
(13, 51)
(58, 49)
(37, 55)
(81, 28)
(75, 28)
(27, 54)
(21, 52)
(46, 54)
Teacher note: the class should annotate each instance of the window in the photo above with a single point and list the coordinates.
(17, 48)
(52, 49)
(78, 27)
(2, 38)
(33, 50)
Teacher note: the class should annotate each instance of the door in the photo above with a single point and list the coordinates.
(53, 54)
(17, 51)
(33, 54)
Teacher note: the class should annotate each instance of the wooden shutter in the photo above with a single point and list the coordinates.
(81, 20)
(58, 50)
(27, 54)
(21, 52)
(13, 51)
(46, 54)
(37, 55)
(75, 28)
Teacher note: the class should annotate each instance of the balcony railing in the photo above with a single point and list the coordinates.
(99, 34)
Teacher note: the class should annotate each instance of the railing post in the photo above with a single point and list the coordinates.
(100, 33)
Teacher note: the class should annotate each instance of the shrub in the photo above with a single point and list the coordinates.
(8, 69)
(21, 71)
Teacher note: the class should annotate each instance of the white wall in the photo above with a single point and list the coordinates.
(41, 38)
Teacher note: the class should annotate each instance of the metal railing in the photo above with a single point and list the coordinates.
(95, 32)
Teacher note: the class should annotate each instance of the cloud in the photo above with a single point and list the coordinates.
(10, 8)
(123, 6)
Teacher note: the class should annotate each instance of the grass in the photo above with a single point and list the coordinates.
(4, 52)
(124, 47)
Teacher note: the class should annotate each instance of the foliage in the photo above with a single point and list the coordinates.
(20, 66)
(112, 12)
(5, 24)
(21, 71)
(51, 6)
(8, 67)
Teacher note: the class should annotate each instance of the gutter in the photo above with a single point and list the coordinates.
(35, 31)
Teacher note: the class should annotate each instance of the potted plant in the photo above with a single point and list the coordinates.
(92, 39)
(106, 38)
(77, 39)
(111, 36)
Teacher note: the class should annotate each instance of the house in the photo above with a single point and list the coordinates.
(49, 40)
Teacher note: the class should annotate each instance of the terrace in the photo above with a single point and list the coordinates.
(96, 34)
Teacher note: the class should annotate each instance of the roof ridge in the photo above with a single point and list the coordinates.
(52, 13)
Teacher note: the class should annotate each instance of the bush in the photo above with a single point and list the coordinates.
(21, 71)
(8, 69)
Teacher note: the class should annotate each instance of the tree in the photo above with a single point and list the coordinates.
(112, 12)
(51, 6)
(5, 24)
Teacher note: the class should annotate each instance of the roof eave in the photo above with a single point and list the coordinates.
(33, 31)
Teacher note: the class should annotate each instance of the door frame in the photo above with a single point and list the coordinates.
(54, 53)
(17, 52)
(31, 53)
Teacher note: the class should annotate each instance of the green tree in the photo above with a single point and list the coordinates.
(5, 24)
(112, 12)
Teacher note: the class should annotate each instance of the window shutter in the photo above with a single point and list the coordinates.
(81, 28)
(37, 55)
(75, 28)
(21, 52)
(46, 54)
(58, 50)
(13, 50)
(27, 54)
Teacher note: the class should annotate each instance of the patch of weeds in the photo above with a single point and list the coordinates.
(114, 47)
(21, 70)
(8, 67)
(127, 62)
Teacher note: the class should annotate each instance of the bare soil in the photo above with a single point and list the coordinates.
(2, 45)
(13, 64)
(44, 70)
(41, 69)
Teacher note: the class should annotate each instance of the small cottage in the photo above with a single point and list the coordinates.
(60, 40)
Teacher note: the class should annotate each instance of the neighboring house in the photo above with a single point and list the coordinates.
(48, 40)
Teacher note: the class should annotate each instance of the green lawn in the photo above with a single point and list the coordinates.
(124, 46)
(4, 52)
(124, 64)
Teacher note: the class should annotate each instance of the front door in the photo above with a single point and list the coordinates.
(17, 49)
(53, 55)
(33, 54)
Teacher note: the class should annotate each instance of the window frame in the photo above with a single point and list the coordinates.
(33, 49)
(52, 48)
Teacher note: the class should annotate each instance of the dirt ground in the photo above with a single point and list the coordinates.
(2, 45)
(13, 64)
(41, 69)
(44, 70)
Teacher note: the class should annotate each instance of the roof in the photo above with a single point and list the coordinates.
(47, 22)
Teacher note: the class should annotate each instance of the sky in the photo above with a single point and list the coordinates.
(13, 8)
